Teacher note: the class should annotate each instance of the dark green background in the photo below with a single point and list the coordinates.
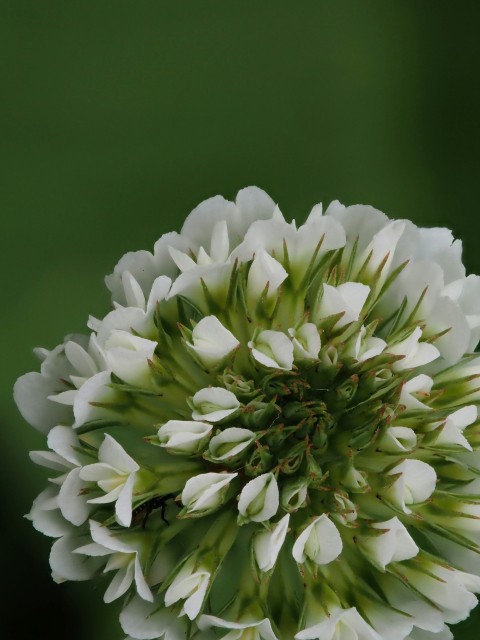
(118, 117)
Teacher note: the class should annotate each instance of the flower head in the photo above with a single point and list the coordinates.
(267, 399)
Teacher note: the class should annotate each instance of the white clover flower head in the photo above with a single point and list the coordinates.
(271, 400)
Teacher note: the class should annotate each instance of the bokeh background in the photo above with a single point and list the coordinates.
(118, 117)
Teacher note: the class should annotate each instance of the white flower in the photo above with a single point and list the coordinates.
(184, 436)
(123, 558)
(139, 314)
(415, 483)
(363, 347)
(66, 564)
(211, 342)
(229, 443)
(115, 474)
(259, 499)
(414, 389)
(345, 623)
(264, 271)
(394, 544)
(143, 620)
(214, 404)
(66, 458)
(319, 541)
(398, 439)
(306, 342)
(415, 353)
(190, 584)
(46, 516)
(267, 544)
(447, 589)
(128, 355)
(272, 349)
(205, 493)
(45, 398)
(347, 299)
(450, 432)
(248, 630)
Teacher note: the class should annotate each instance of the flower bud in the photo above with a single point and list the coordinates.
(354, 480)
(259, 499)
(230, 443)
(213, 404)
(397, 440)
(212, 343)
(272, 349)
(294, 495)
(320, 542)
(183, 436)
(205, 493)
(306, 342)
(345, 510)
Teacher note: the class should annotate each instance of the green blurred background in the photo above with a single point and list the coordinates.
(118, 117)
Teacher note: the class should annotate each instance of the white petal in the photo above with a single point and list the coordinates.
(120, 583)
(346, 624)
(95, 389)
(212, 342)
(45, 514)
(306, 342)
(114, 454)
(71, 500)
(264, 269)
(66, 565)
(320, 542)
(143, 589)
(219, 245)
(123, 506)
(347, 298)
(206, 491)
(262, 627)
(31, 393)
(394, 545)
(267, 544)
(80, 360)
(259, 499)
(420, 385)
(273, 349)
(230, 442)
(415, 484)
(160, 290)
(64, 441)
(148, 621)
(214, 404)
(183, 436)
(398, 440)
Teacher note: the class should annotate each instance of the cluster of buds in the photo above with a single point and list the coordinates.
(266, 401)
